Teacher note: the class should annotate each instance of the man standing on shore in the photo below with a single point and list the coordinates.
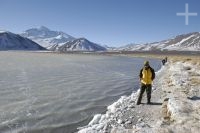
(147, 75)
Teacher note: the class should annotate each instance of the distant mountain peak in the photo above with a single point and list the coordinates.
(46, 37)
(43, 28)
(80, 44)
(82, 39)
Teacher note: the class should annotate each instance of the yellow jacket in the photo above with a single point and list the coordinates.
(147, 75)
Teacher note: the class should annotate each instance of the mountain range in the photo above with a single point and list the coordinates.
(184, 42)
(60, 41)
(43, 38)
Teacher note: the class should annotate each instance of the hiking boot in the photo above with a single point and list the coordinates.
(148, 102)
(138, 103)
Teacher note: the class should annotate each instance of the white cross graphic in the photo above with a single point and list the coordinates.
(186, 14)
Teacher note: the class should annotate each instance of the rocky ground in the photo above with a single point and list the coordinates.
(175, 104)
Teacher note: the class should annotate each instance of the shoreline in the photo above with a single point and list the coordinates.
(175, 97)
(176, 93)
(155, 54)
(174, 55)
(120, 116)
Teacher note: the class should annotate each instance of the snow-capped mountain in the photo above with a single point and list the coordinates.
(46, 37)
(60, 41)
(11, 41)
(80, 44)
(185, 42)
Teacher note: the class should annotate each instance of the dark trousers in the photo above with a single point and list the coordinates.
(148, 89)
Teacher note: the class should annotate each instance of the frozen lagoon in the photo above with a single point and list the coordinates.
(46, 92)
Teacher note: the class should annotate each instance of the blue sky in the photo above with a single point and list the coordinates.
(110, 22)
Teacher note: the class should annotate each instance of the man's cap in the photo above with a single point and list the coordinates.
(146, 63)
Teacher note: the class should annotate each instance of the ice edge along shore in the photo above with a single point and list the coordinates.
(175, 108)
